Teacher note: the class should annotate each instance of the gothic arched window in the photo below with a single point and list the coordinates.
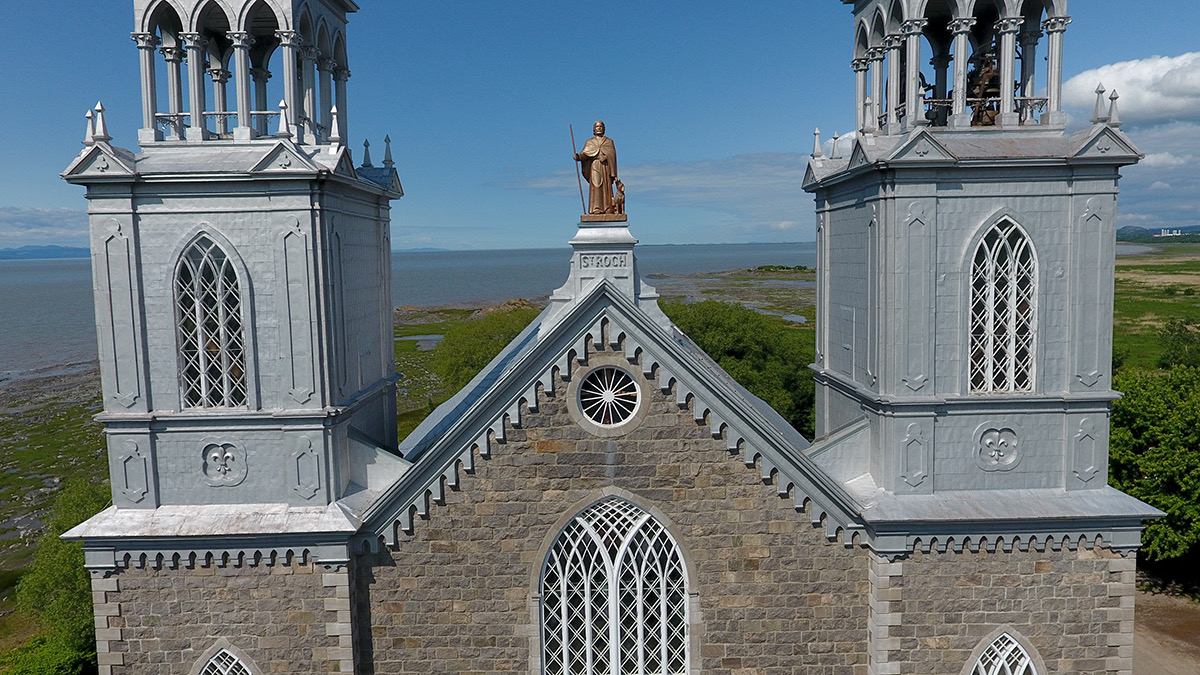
(208, 315)
(224, 663)
(1005, 656)
(1003, 309)
(614, 596)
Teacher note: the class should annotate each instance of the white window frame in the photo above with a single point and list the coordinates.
(597, 583)
(210, 322)
(1005, 656)
(1002, 312)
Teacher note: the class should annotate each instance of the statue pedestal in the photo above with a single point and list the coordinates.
(603, 254)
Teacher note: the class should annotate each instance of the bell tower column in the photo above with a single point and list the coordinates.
(146, 43)
(959, 117)
(1008, 29)
(1055, 27)
(195, 45)
(242, 42)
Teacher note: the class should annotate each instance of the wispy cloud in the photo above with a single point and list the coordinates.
(1152, 90)
(32, 226)
(1162, 190)
(752, 195)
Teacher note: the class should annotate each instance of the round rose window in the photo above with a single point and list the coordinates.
(608, 396)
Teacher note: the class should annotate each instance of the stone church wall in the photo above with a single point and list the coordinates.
(165, 621)
(773, 594)
(1075, 608)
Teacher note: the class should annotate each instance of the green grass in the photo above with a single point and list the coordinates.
(1151, 289)
(42, 443)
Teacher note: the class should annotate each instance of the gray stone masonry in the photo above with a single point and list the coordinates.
(771, 594)
(1074, 607)
(284, 618)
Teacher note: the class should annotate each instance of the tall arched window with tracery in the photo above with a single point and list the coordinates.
(1004, 656)
(1003, 311)
(614, 596)
(208, 316)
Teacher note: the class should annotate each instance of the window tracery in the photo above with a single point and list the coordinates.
(208, 312)
(224, 663)
(1005, 656)
(614, 596)
(1003, 311)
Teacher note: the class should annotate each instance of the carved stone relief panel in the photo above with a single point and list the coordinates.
(296, 325)
(997, 447)
(1085, 451)
(121, 341)
(223, 463)
(305, 468)
(914, 453)
(918, 314)
(133, 475)
(1090, 322)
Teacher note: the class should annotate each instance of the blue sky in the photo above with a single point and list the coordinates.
(711, 104)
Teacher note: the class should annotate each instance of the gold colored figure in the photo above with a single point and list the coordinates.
(598, 164)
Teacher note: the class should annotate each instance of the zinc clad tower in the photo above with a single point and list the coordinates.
(242, 281)
(966, 249)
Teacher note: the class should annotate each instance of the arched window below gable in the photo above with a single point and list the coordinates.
(1003, 332)
(210, 325)
(614, 596)
(1005, 656)
(224, 663)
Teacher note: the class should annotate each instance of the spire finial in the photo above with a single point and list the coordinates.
(285, 125)
(89, 137)
(335, 132)
(834, 153)
(1099, 116)
(1114, 120)
(101, 127)
(367, 155)
(387, 152)
(868, 121)
(817, 153)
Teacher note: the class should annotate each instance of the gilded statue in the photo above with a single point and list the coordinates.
(598, 165)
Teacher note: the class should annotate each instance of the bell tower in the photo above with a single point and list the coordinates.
(965, 248)
(242, 279)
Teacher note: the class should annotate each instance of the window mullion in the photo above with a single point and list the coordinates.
(201, 351)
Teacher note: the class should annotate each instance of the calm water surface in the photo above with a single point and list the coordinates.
(47, 319)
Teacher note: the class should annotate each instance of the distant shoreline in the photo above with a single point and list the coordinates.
(78, 253)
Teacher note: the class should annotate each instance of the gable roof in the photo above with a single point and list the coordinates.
(475, 420)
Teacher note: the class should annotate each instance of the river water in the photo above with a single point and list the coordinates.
(47, 320)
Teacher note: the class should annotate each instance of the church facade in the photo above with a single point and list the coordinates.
(602, 497)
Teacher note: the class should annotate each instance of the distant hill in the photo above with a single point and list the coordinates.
(1140, 235)
(43, 252)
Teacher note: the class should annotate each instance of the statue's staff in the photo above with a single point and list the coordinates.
(578, 174)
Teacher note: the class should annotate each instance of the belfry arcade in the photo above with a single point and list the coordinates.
(241, 46)
(942, 62)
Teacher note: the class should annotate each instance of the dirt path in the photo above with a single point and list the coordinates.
(1166, 635)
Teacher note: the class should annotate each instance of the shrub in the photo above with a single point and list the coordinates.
(762, 353)
(1155, 454)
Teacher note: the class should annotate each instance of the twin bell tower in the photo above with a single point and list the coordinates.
(242, 277)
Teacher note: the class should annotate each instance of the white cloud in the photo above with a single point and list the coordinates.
(1165, 160)
(31, 226)
(1155, 89)
(1163, 190)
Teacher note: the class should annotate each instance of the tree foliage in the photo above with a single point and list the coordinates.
(761, 352)
(469, 346)
(1155, 454)
(58, 591)
(1180, 343)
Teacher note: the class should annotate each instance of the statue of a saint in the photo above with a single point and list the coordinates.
(598, 161)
